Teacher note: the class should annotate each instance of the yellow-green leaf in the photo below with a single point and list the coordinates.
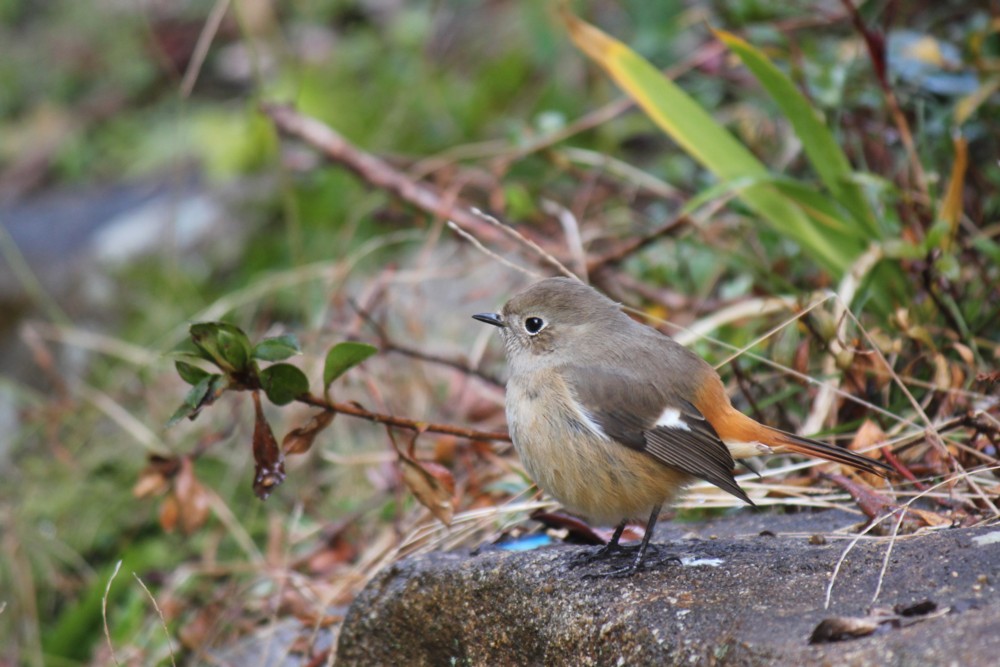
(818, 142)
(694, 129)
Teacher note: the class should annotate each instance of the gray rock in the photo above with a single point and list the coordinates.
(740, 598)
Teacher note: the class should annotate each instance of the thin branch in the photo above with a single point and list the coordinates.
(627, 248)
(391, 346)
(205, 38)
(372, 169)
(402, 422)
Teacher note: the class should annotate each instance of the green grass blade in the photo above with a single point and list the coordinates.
(694, 129)
(818, 142)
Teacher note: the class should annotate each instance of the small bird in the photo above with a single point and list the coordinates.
(613, 418)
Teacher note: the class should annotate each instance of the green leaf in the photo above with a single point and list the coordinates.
(694, 130)
(277, 349)
(820, 208)
(202, 394)
(190, 373)
(818, 142)
(225, 344)
(342, 357)
(283, 383)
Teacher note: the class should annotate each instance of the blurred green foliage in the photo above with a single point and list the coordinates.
(95, 88)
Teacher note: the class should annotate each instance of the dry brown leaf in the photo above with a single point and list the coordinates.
(300, 440)
(965, 352)
(867, 436)
(269, 462)
(192, 499)
(802, 355)
(432, 492)
(444, 449)
(932, 519)
(839, 628)
(942, 374)
(169, 511)
(198, 629)
(151, 482)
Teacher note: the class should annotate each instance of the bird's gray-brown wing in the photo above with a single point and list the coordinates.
(628, 413)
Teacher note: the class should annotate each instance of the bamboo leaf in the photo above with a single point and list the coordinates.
(818, 142)
(704, 139)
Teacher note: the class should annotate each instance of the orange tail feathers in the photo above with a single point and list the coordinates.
(740, 427)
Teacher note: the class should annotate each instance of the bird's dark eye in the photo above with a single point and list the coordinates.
(534, 324)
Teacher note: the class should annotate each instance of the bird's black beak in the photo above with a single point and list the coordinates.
(489, 318)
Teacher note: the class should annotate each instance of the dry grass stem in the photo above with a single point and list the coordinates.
(888, 554)
(489, 253)
(901, 510)
(159, 613)
(104, 612)
(205, 37)
(520, 238)
(97, 342)
(827, 394)
(125, 419)
(571, 230)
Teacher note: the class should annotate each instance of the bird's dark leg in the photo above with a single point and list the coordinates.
(612, 548)
(643, 547)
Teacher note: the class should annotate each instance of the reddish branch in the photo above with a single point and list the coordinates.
(389, 345)
(402, 422)
(631, 246)
(372, 169)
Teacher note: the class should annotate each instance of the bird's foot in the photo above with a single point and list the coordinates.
(638, 560)
(611, 550)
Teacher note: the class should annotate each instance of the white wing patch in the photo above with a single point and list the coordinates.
(671, 418)
(587, 420)
(592, 425)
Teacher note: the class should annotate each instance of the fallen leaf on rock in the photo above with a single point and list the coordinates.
(839, 628)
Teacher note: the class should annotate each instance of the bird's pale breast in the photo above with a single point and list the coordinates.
(569, 457)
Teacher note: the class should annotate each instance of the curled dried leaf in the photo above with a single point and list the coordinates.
(300, 440)
(942, 373)
(838, 628)
(932, 519)
(151, 482)
(192, 498)
(434, 490)
(441, 474)
(169, 511)
(269, 462)
(965, 352)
